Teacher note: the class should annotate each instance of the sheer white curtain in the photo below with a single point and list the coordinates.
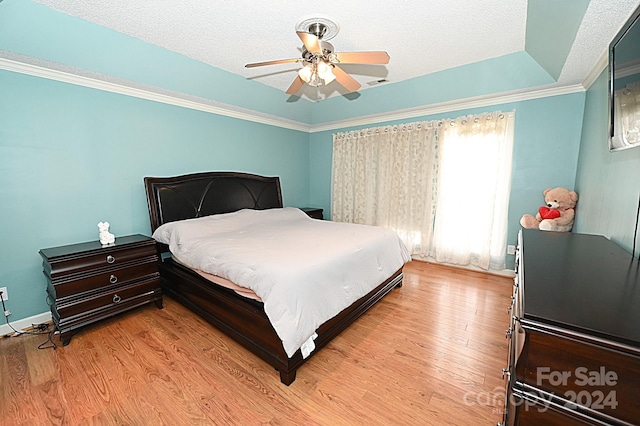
(442, 185)
(473, 186)
(384, 176)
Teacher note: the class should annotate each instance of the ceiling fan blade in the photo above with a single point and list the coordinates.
(345, 80)
(295, 86)
(380, 57)
(279, 61)
(311, 42)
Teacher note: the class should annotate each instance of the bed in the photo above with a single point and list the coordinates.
(213, 195)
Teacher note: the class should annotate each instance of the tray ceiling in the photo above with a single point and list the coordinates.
(421, 36)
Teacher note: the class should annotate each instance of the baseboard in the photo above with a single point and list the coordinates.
(503, 272)
(25, 323)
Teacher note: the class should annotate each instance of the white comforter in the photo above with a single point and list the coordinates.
(305, 271)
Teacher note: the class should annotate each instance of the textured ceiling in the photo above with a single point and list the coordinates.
(421, 36)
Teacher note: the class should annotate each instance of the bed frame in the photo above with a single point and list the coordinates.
(201, 194)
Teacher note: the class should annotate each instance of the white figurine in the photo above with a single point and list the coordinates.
(106, 237)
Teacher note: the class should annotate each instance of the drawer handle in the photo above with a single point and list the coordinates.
(110, 259)
(505, 372)
(116, 299)
(113, 279)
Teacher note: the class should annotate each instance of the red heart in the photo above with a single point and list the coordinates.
(547, 213)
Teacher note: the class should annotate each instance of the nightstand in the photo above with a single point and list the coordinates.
(313, 212)
(88, 282)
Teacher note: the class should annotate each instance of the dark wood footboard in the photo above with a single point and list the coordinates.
(245, 321)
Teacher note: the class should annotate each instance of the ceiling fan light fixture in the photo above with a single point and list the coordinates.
(325, 72)
(306, 72)
(315, 80)
(317, 73)
(323, 67)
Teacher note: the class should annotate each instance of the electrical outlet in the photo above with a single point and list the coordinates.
(5, 295)
(511, 249)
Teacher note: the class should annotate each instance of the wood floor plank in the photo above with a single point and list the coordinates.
(430, 353)
(17, 391)
(79, 400)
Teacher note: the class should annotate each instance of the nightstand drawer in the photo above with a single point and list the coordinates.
(109, 277)
(117, 256)
(114, 300)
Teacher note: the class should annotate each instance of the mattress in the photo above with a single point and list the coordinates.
(242, 291)
(306, 271)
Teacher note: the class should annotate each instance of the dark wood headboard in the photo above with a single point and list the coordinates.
(202, 194)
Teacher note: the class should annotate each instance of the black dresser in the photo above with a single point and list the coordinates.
(574, 332)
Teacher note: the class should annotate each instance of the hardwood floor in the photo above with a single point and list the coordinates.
(430, 353)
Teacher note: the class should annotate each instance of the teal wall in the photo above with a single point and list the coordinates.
(71, 157)
(547, 142)
(608, 182)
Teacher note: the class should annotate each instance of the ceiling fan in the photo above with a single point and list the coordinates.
(320, 61)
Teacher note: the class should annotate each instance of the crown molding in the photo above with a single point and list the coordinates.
(457, 105)
(151, 95)
(200, 104)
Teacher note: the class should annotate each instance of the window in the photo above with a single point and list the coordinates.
(442, 185)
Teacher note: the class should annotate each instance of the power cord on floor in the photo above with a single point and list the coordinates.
(42, 329)
(49, 340)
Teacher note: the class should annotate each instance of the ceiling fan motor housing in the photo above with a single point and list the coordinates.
(327, 49)
(318, 29)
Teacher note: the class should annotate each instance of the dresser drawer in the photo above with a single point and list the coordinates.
(534, 410)
(75, 287)
(114, 299)
(599, 379)
(114, 258)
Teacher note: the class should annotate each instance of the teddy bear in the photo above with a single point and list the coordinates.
(558, 213)
(106, 237)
